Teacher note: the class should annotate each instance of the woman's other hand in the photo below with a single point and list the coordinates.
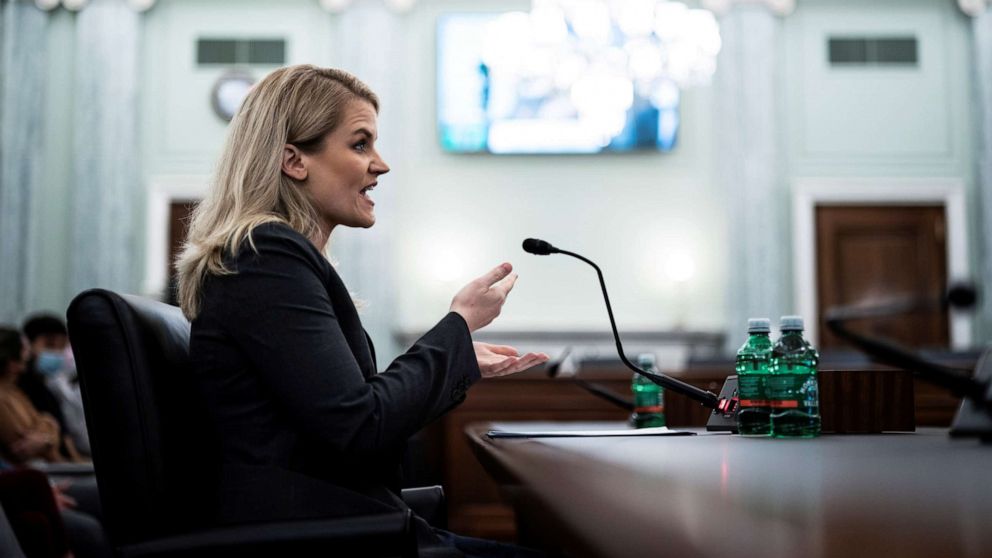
(480, 301)
(501, 360)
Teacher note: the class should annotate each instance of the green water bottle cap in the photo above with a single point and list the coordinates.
(791, 323)
(759, 325)
(646, 360)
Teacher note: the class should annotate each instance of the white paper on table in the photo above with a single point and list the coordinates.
(572, 433)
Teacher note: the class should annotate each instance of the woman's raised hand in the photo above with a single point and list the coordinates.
(480, 301)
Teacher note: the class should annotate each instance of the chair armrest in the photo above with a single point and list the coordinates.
(64, 469)
(428, 503)
(381, 535)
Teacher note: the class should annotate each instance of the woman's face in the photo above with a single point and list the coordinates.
(340, 177)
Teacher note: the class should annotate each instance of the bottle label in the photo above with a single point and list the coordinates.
(751, 389)
(788, 404)
(650, 409)
(754, 402)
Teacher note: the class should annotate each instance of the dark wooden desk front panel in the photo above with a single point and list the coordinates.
(899, 495)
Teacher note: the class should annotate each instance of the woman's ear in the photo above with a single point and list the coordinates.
(293, 165)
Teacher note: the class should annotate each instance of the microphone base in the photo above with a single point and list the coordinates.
(973, 419)
(720, 421)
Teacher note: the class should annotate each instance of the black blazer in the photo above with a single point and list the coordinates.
(304, 424)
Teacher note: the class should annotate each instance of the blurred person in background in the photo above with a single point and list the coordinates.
(26, 434)
(50, 380)
(47, 521)
(29, 436)
(34, 511)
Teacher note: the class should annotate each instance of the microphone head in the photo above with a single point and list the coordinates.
(539, 247)
(962, 295)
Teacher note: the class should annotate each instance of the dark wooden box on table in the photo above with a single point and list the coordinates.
(866, 401)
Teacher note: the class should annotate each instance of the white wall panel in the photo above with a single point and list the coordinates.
(183, 135)
(878, 119)
(629, 212)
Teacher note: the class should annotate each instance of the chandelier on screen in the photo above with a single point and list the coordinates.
(604, 53)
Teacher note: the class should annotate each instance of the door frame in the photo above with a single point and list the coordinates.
(810, 192)
(163, 190)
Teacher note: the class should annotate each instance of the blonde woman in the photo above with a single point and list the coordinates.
(306, 426)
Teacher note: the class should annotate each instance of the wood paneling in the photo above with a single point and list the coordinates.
(179, 215)
(866, 401)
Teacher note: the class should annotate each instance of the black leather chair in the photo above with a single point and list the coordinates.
(153, 458)
(9, 546)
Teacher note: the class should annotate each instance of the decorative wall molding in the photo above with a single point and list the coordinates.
(77, 5)
(751, 167)
(339, 6)
(365, 256)
(778, 7)
(810, 192)
(982, 52)
(163, 190)
(105, 179)
(974, 8)
(46, 5)
(853, 122)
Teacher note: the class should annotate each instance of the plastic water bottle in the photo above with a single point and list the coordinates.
(649, 397)
(753, 359)
(792, 388)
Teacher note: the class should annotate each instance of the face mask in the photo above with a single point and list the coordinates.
(49, 362)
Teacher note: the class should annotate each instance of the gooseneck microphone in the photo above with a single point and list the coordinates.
(888, 352)
(543, 248)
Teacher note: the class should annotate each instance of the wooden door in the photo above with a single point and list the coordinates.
(873, 253)
(180, 212)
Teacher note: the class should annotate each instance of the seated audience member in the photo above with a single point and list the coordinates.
(50, 380)
(32, 508)
(26, 434)
(46, 519)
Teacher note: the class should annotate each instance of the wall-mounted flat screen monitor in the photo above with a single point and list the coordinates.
(501, 89)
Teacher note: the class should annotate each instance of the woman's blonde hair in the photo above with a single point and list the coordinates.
(296, 105)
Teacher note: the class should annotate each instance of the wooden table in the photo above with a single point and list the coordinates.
(474, 503)
(900, 495)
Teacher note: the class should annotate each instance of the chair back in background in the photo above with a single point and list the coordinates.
(152, 451)
(9, 546)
